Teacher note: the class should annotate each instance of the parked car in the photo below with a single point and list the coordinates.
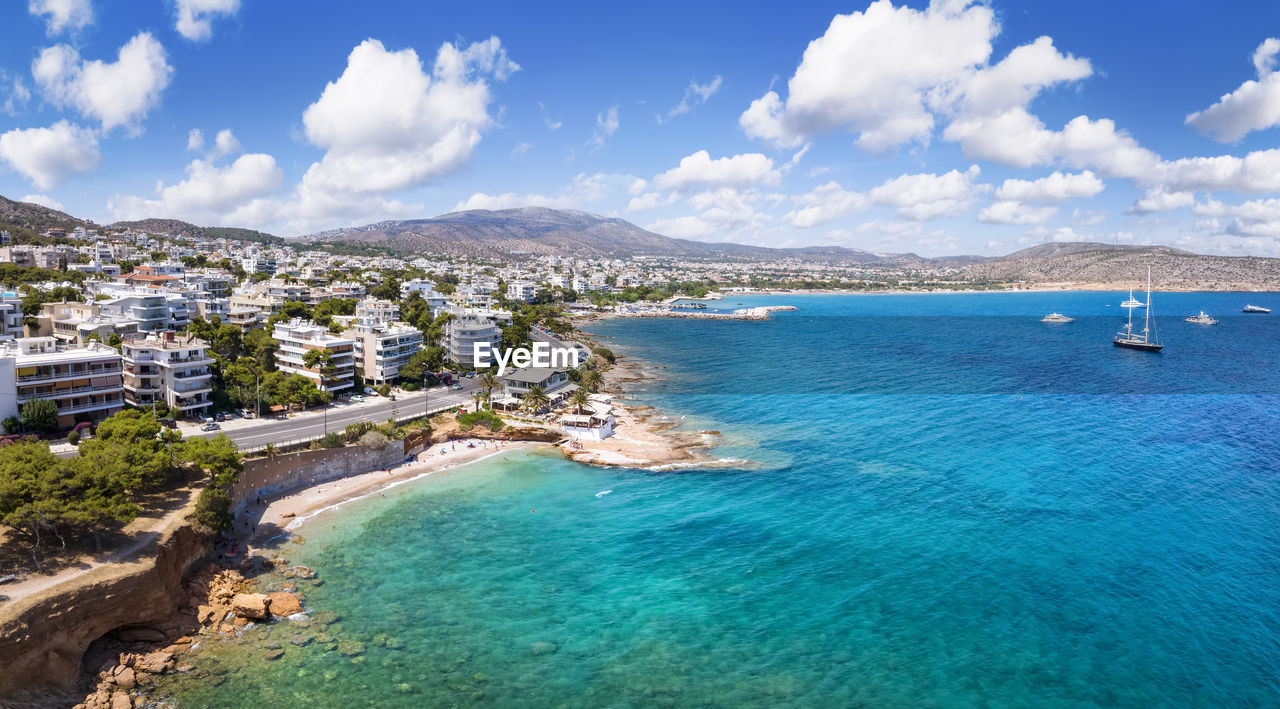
(457, 387)
(219, 416)
(357, 398)
(245, 413)
(211, 426)
(371, 391)
(168, 423)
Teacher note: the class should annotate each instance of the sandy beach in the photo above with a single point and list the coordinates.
(285, 514)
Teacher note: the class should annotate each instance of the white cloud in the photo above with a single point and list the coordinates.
(63, 15)
(512, 200)
(47, 155)
(194, 18)
(521, 149)
(650, 200)
(1057, 187)
(1086, 217)
(224, 144)
(208, 194)
(1013, 212)
(825, 203)
(694, 92)
(699, 168)
(44, 201)
(17, 96)
(546, 118)
(1255, 105)
(720, 209)
(1259, 217)
(195, 140)
(386, 124)
(1158, 199)
(606, 126)
(872, 72)
(1258, 171)
(118, 93)
(928, 196)
(584, 190)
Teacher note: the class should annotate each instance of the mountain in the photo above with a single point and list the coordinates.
(562, 232)
(1094, 263)
(176, 227)
(26, 220)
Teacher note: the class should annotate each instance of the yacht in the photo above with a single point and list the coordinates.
(1145, 339)
(1255, 309)
(1133, 302)
(1056, 317)
(1202, 319)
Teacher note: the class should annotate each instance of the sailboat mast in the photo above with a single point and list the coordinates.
(1146, 323)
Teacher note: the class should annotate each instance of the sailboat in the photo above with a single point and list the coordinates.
(1133, 302)
(1144, 340)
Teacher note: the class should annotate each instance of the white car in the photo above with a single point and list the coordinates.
(357, 398)
(371, 391)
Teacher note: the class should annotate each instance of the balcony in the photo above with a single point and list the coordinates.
(105, 403)
(192, 374)
(73, 373)
(62, 393)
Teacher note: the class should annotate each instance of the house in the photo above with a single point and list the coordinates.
(595, 423)
(555, 382)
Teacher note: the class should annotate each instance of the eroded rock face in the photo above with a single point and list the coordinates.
(42, 639)
(251, 605)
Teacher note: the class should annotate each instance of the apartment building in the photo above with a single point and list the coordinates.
(472, 325)
(522, 290)
(170, 368)
(84, 382)
(297, 336)
(10, 315)
(383, 343)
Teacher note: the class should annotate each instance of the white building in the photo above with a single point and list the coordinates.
(522, 290)
(383, 344)
(84, 382)
(469, 326)
(298, 336)
(168, 368)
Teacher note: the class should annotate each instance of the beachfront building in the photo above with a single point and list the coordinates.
(169, 368)
(383, 344)
(84, 382)
(554, 382)
(594, 423)
(469, 326)
(297, 336)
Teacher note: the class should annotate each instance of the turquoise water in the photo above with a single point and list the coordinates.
(950, 505)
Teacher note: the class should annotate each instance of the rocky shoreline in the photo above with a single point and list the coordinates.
(759, 313)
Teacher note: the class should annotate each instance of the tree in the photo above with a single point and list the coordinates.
(488, 384)
(131, 448)
(591, 379)
(535, 398)
(218, 457)
(259, 345)
(40, 415)
(580, 399)
(213, 509)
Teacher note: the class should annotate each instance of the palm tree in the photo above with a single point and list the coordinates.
(488, 383)
(591, 379)
(479, 398)
(535, 398)
(269, 450)
(580, 400)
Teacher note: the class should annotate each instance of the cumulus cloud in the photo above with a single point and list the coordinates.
(194, 18)
(209, 192)
(1255, 105)
(694, 94)
(606, 126)
(1056, 187)
(387, 124)
(45, 156)
(195, 140)
(699, 168)
(1013, 212)
(929, 196)
(584, 190)
(43, 200)
(1259, 217)
(119, 93)
(1256, 172)
(720, 209)
(650, 200)
(871, 73)
(1158, 199)
(62, 15)
(824, 204)
(224, 144)
(17, 95)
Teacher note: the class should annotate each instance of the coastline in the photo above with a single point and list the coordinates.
(284, 515)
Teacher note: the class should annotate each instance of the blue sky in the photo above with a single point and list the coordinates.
(951, 127)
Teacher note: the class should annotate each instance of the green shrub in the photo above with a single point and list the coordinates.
(606, 353)
(384, 390)
(480, 418)
(331, 440)
(11, 425)
(213, 509)
(73, 438)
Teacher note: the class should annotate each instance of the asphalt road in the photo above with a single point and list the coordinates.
(406, 405)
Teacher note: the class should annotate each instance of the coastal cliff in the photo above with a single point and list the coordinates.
(43, 638)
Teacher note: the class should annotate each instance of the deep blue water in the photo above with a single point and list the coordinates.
(949, 504)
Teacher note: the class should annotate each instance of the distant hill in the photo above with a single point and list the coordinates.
(561, 232)
(25, 221)
(1094, 263)
(176, 227)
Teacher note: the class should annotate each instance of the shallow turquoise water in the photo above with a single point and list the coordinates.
(953, 506)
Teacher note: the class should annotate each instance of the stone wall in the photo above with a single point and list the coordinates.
(42, 638)
(270, 477)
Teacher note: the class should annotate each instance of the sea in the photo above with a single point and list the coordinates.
(936, 501)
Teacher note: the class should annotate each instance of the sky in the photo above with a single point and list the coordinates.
(940, 128)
